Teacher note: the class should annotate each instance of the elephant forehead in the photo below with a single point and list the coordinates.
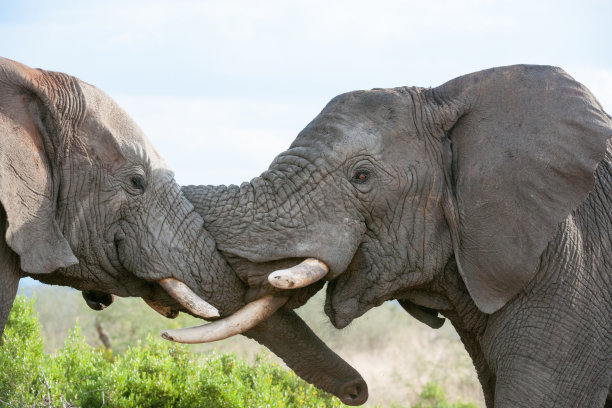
(386, 108)
(364, 117)
(367, 101)
(334, 134)
(106, 119)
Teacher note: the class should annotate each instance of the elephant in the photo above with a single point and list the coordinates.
(486, 200)
(88, 202)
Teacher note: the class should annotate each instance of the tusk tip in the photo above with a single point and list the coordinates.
(165, 335)
(279, 280)
(206, 312)
(188, 298)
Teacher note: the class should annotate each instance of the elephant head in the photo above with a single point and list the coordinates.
(388, 186)
(88, 202)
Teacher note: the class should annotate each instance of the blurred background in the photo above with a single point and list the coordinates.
(221, 87)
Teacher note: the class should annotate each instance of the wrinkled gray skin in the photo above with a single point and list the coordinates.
(87, 202)
(90, 204)
(487, 199)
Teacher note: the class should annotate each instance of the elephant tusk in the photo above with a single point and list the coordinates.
(188, 299)
(242, 320)
(302, 274)
(161, 309)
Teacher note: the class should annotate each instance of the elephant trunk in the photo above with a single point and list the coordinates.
(208, 287)
(244, 219)
(286, 334)
(274, 218)
(183, 259)
(237, 216)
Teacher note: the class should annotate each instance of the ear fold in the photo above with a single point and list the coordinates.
(524, 147)
(29, 123)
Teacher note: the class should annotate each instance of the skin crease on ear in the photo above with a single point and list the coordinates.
(442, 198)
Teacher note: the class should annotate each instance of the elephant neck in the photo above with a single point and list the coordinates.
(469, 322)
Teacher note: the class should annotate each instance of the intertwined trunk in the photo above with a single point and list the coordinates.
(238, 216)
(291, 211)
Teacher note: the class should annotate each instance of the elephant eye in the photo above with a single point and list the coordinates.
(137, 183)
(361, 176)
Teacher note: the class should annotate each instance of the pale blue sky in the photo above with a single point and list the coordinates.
(221, 87)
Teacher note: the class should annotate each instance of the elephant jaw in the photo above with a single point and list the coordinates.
(301, 275)
(162, 309)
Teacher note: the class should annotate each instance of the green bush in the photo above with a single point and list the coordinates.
(433, 396)
(21, 355)
(155, 373)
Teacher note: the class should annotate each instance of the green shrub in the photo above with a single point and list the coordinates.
(154, 374)
(433, 396)
(21, 355)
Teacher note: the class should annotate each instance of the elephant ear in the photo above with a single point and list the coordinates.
(525, 141)
(38, 112)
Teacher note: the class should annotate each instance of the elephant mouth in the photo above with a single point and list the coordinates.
(342, 309)
(349, 295)
(97, 300)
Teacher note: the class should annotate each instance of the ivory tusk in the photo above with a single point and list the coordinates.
(161, 309)
(302, 274)
(244, 319)
(188, 299)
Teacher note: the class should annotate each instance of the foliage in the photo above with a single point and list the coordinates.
(433, 396)
(153, 374)
(22, 352)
